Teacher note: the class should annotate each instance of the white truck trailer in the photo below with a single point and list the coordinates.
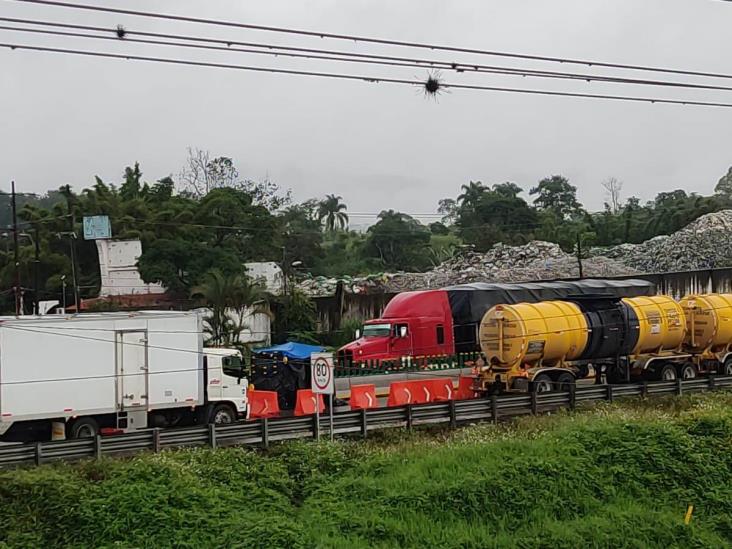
(79, 375)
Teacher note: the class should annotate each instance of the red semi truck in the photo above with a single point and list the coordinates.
(445, 322)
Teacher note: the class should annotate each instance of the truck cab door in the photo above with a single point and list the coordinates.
(401, 339)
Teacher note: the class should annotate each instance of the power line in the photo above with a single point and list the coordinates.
(341, 56)
(363, 78)
(370, 40)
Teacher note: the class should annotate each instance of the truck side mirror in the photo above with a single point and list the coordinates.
(402, 331)
(358, 333)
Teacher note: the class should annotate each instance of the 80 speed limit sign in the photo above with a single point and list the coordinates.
(321, 373)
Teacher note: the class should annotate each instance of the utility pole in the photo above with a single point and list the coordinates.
(37, 273)
(285, 324)
(579, 254)
(15, 251)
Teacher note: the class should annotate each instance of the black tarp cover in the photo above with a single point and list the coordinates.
(470, 302)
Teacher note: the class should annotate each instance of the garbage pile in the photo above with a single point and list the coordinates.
(702, 244)
(536, 260)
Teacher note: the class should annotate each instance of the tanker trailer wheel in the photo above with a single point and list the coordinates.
(687, 371)
(564, 381)
(222, 414)
(543, 384)
(726, 368)
(667, 372)
(84, 427)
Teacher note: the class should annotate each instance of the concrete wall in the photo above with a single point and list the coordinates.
(118, 268)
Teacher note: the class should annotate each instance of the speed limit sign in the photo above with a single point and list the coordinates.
(321, 373)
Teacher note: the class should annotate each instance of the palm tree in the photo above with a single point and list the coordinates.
(331, 211)
(471, 193)
(229, 298)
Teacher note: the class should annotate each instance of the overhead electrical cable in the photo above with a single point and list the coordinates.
(366, 39)
(332, 55)
(365, 78)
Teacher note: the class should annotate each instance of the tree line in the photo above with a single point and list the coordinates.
(198, 230)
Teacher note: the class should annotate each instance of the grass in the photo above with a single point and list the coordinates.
(619, 475)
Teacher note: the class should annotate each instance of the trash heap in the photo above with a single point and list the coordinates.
(536, 260)
(702, 244)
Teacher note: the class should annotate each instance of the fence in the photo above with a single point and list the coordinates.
(265, 431)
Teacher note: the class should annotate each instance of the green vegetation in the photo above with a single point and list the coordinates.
(617, 475)
(211, 220)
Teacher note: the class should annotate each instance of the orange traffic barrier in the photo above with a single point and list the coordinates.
(306, 402)
(465, 388)
(400, 393)
(363, 397)
(263, 404)
(421, 391)
(442, 389)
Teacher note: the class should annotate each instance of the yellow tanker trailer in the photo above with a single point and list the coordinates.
(709, 331)
(553, 343)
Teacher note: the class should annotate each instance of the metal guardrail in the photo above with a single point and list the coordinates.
(262, 432)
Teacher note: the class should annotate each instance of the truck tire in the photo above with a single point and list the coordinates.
(726, 368)
(222, 414)
(564, 381)
(687, 371)
(666, 372)
(543, 384)
(84, 427)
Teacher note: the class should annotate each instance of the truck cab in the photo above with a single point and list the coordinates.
(413, 324)
(226, 385)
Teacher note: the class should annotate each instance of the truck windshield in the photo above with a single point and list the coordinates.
(376, 330)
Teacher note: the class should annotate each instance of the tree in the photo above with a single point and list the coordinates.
(449, 209)
(331, 212)
(724, 185)
(229, 298)
(471, 193)
(494, 214)
(399, 241)
(556, 195)
(203, 173)
(613, 187)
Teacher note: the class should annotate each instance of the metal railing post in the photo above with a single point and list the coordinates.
(212, 435)
(453, 417)
(364, 423)
(572, 396)
(712, 382)
(156, 440)
(316, 427)
(679, 386)
(534, 406)
(265, 432)
(409, 417)
(609, 393)
(38, 456)
(494, 408)
(644, 389)
(98, 446)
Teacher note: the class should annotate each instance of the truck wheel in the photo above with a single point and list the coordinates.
(222, 414)
(564, 381)
(666, 373)
(726, 369)
(84, 427)
(687, 371)
(543, 383)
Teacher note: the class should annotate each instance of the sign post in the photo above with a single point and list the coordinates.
(322, 383)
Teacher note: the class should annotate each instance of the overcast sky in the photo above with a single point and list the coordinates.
(64, 119)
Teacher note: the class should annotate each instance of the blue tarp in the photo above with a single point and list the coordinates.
(292, 350)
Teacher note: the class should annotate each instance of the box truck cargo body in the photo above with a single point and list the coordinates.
(119, 371)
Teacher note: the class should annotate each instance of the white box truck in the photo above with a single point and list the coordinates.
(79, 375)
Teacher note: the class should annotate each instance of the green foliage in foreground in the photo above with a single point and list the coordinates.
(614, 476)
